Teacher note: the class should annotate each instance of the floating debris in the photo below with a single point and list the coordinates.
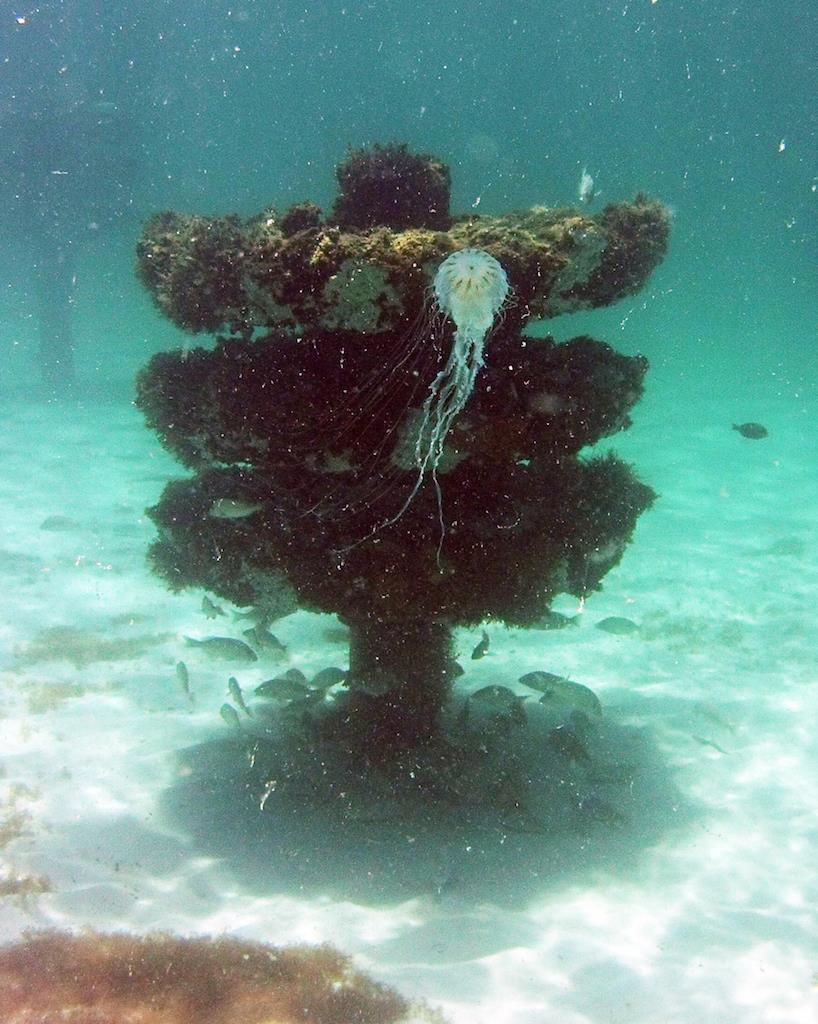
(234, 690)
(754, 431)
(560, 693)
(586, 193)
(230, 716)
(617, 625)
(210, 609)
(481, 650)
(225, 647)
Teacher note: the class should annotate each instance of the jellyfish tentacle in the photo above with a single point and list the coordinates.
(470, 288)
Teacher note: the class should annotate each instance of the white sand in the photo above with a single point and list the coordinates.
(698, 903)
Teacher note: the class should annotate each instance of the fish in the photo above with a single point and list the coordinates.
(496, 695)
(225, 647)
(328, 677)
(586, 191)
(755, 431)
(262, 638)
(556, 620)
(233, 508)
(500, 698)
(592, 808)
(709, 743)
(234, 690)
(230, 716)
(617, 625)
(481, 650)
(563, 694)
(567, 743)
(285, 687)
(183, 676)
(210, 609)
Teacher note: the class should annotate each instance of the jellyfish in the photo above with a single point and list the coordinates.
(470, 288)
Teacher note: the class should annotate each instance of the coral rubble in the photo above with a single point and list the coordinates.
(310, 426)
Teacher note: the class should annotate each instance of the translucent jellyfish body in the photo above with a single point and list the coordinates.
(470, 288)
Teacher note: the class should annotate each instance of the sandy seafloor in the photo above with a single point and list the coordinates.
(695, 901)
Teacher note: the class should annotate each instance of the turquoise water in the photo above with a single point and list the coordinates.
(697, 901)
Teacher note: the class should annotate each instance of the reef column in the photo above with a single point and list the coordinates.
(399, 676)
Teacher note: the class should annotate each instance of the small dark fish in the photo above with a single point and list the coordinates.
(183, 676)
(234, 690)
(446, 882)
(59, 524)
(327, 677)
(481, 650)
(754, 431)
(233, 508)
(211, 610)
(541, 680)
(592, 808)
(254, 615)
(230, 716)
(709, 743)
(785, 546)
(617, 625)
(559, 694)
(262, 638)
(567, 743)
(291, 685)
(225, 647)
(556, 620)
(501, 699)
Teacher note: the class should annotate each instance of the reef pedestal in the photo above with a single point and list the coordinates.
(302, 491)
(399, 678)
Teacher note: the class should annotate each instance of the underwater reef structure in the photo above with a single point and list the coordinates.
(95, 978)
(373, 435)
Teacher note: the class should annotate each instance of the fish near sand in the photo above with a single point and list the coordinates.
(618, 625)
(262, 638)
(499, 699)
(481, 650)
(224, 647)
(328, 677)
(556, 620)
(565, 742)
(183, 676)
(210, 609)
(230, 716)
(292, 685)
(754, 431)
(236, 695)
(560, 694)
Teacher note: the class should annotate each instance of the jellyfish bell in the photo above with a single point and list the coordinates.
(470, 287)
